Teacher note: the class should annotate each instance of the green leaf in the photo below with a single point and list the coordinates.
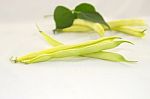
(88, 12)
(63, 17)
(85, 7)
(94, 17)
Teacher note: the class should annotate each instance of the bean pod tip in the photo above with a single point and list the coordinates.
(13, 59)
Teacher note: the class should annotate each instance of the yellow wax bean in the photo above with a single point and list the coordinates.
(77, 28)
(81, 25)
(130, 31)
(48, 38)
(110, 56)
(74, 51)
(116, 25)
(124, 29)
(95, 26)
(101, 54)
(63, 47)
(126, 22)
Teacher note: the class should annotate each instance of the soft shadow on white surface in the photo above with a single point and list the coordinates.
(86, 78)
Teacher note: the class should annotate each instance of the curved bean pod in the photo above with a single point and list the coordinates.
(48, 38)
(115, 57)
(94, 26)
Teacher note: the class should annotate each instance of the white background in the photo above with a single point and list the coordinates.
(83, 78)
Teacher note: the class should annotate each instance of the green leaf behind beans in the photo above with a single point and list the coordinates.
(94, 17)
(85, 7)
(88, 12)
(63, 17)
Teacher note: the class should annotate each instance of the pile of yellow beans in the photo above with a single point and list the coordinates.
(93, 48)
